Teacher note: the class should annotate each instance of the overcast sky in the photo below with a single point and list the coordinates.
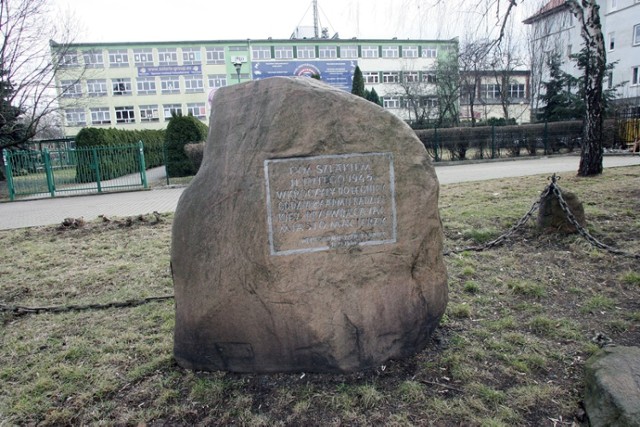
(103, 21)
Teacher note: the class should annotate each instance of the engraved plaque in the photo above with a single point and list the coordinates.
(322, 202)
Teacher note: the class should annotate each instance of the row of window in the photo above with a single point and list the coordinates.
(144, 85)
(347, 52)
(391, 102)
(127, 114)
(494, 91)
(145, 57)
(612, 38)
(374, 77)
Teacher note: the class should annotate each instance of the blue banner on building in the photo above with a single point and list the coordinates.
(169, 70)
(336, 73)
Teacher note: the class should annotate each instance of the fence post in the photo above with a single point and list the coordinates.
(493, 141)
(49, 173)
(545, 137)
(166, 161)
(435, 144)
(96, 166)
(143, 166)
(6, 156)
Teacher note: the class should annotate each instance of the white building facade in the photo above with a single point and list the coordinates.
(140, 85)
(554, 29)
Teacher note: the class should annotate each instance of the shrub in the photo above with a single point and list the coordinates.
(195, 153)
(182, 130)
(115, 163)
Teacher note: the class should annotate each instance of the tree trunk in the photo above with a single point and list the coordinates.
(588, 14)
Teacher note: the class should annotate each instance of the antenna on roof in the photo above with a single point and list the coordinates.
(316, 34)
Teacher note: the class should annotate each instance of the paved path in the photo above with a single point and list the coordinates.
(30, 213)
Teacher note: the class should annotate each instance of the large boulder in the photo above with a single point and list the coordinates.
(612, 396)
(310, 238)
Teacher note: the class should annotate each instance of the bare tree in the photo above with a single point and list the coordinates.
(27, 70)
(418, 92)
(587, 13)
(473, 63)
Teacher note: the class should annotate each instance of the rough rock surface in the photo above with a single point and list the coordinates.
(551, 217)
(612, 396)
(310, 238)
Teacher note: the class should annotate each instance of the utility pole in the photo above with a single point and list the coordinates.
(316, 32)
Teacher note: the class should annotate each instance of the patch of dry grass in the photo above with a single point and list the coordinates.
(510, 349)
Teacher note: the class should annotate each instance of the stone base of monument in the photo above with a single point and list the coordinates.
(310, 238)
(552, 218)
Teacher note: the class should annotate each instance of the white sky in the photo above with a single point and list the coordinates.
(102, 21)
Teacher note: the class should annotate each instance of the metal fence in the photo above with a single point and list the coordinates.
(47, 173)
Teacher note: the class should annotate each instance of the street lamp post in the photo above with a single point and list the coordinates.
(238, 66)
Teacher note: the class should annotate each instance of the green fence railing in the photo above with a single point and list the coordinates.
(47, 173)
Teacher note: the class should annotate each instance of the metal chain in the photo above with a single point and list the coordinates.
(583, 232)
(20, 310)
(521, 222)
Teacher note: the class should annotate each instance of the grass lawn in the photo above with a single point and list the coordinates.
(510, 350)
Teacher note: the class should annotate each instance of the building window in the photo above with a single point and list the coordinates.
(429, 52)
(100, 116)
(125, 115)
(146, 86)
(517, 90)
(635, 75)
(121, 87)
(118, 58)
(170, 84)
(168, 56)
(348, 51)
(410, 51)
(217, 80)
(610, 80)
(636, 35)
(283, 52)
(306, 52)
(169, 110)
(260, 52)
(612, 40)
(97, 87)
(614, 4)
(490, 91)
(390, 51)
(69, 59)
(371, 77)
(215, 55)
(71, 89)
(197, 110)
(93, 59)
(391, 102)
(193, 84)
(328, 52)
(569, 51)
(370, 52)
(411, 76)
(429, 78)
(75, 117)
(149, 113)
(428, 102)
(143, 57)
(191, 56)
(390, 77)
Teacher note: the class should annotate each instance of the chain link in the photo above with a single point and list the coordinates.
(498, 240)
(551, 188)
(21, 311)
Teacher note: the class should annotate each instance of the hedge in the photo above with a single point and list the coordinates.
(182, 130)
(508, 141)
(112, 163)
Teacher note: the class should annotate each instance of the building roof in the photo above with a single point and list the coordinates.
(553, 6)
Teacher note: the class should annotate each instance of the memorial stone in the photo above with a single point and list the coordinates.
(310, 238)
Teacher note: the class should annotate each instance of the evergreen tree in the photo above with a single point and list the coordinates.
(559, 102)
(357, 87)
(12, 131)
(372, 96)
